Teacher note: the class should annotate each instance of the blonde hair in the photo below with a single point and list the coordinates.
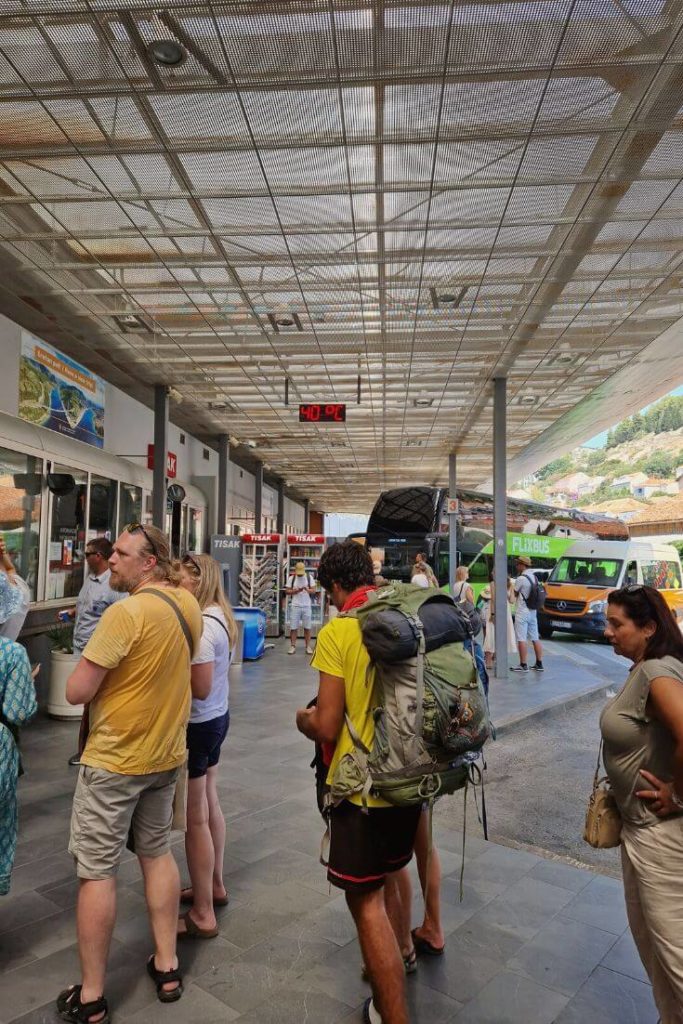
(210, 591)
(156, 543)
(462, 572)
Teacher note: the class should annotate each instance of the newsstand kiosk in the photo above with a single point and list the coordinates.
(306, 548)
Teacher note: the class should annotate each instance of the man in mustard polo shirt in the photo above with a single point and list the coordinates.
(366, 848)
(135, 677)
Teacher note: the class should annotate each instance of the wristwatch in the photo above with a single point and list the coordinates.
(675, 799)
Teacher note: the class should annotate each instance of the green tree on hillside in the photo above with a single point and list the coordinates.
(659, 418)
(558, 467)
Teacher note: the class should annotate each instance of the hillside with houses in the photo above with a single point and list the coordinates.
(638, 475)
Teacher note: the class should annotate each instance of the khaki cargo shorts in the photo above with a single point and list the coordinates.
(106, 806)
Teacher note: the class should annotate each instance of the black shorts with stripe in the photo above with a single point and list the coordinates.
(365, 848)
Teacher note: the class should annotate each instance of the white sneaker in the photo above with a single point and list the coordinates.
(309, 649)
(292, 649)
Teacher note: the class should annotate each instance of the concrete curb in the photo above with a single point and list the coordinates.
(551, 707)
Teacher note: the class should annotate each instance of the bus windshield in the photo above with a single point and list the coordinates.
(587, 572)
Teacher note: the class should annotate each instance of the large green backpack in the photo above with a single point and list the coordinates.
(430, 710)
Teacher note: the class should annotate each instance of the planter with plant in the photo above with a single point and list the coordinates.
(62, 662)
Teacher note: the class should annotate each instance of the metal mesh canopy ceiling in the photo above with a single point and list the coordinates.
(421, 196)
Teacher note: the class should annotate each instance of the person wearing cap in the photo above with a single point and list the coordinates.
(526, 619)
(300, 586)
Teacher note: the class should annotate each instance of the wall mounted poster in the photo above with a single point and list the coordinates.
(58, 393)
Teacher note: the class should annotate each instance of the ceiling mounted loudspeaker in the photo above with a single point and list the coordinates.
(167, 52)
(423, 402)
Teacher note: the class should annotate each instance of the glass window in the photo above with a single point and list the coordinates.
(480, 569)
(661, 574)
(102, 511)
(195, 540)
(589, 572)
(20, 486)
(130, 505)
(67, 532)
(631, 574)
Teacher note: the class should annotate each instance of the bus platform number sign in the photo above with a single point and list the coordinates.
(453, 507)
(318, 412)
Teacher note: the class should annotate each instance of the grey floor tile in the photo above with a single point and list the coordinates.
(49, 871)
(562, 974)
(462, 971)
(28, 908)
(242, 985)
(428, 1004)
(291, 1006)
(196, 1005)
(601, 904)
(610, 998)
(512, 999)
(563, 936)
(566, 876)
(623, 957)
(332, 922)
(22, 945)
(483, 934)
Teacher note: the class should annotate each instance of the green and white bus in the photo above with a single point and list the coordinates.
(544, 552)
(412, 519)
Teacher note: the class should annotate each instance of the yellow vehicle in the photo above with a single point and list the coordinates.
(580, 583)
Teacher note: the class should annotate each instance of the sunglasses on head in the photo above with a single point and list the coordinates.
(189, 563)
(138, 527)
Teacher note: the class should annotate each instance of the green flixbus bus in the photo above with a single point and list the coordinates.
(412, 519)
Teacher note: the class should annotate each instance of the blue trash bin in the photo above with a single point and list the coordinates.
(254, 632)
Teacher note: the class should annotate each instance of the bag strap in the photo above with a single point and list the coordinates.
(220, 622)
(597, 766)
(182, 621)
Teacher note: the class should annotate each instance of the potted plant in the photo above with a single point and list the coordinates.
(62, 662)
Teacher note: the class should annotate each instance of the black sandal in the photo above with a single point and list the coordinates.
(161, 978)
(70, 1007)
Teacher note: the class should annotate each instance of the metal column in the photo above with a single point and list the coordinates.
(160, 455)
(258, 497)
(223, 463)
(280, 506)
(500, 560)
(307, 515)
(452, 525)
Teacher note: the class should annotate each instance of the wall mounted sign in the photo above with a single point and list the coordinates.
(58, 393)
(171, 462)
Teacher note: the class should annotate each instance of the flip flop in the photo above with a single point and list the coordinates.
(425, 948)
(186, 896)
(193, 931)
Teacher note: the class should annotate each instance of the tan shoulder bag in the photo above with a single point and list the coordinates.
(603, 820)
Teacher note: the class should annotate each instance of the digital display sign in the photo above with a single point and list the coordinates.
(317, 412)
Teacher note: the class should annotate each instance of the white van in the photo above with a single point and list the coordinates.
(585, 574)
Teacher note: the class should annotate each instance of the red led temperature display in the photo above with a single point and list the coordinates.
(333, 412)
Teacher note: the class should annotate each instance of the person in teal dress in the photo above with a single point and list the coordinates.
(18, 705)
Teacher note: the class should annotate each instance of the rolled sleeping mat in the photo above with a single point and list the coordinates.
(390, 636)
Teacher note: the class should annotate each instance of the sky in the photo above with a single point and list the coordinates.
(600, 440)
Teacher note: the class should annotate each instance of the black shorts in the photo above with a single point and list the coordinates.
(204, 741)
(365, 848)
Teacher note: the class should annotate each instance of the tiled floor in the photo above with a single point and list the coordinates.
(534, 940)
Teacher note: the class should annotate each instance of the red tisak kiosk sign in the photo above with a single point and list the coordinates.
(305, 538)
(171, 461)
(261, 538)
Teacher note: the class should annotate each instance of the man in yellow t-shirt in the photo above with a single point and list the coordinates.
(134, 676)
(365, 848)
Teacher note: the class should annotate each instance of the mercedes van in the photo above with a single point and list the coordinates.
(580, 583)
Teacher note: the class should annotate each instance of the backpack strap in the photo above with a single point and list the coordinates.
(182, 621)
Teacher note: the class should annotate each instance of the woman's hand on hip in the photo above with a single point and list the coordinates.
(659, 797)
